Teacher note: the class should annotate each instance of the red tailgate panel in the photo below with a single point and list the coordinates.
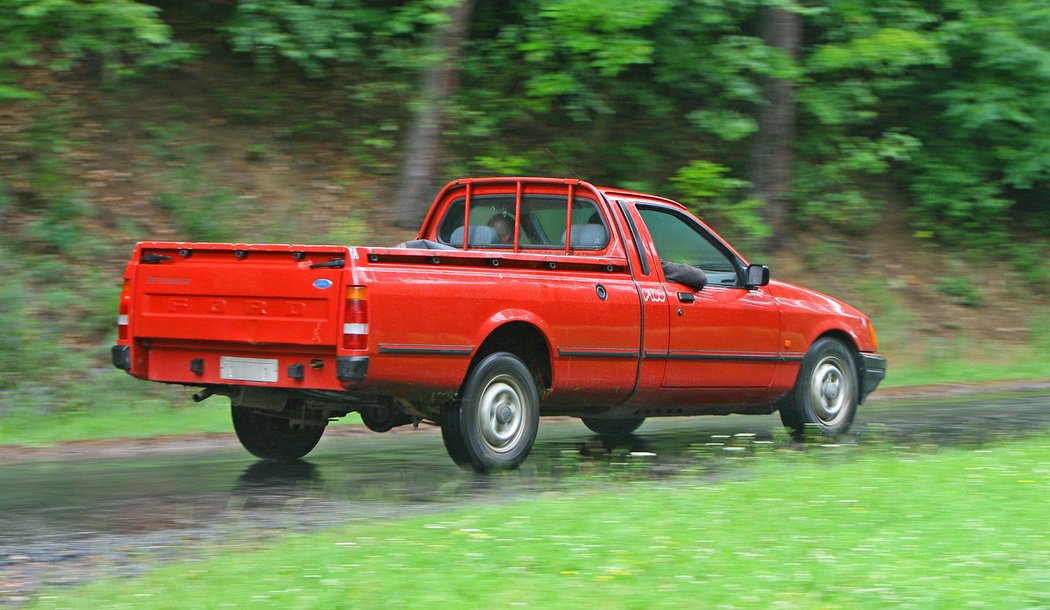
(267, 295)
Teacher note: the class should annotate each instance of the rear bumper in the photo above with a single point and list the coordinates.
(121, 355)
(351, 370)
(873, 371)
(193, 368)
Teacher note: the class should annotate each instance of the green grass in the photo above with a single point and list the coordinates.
(875, 530)
(964, 361)
(968, 360)
(915, 358)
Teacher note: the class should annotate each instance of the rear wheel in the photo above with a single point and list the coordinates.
(825, 396)
(613, 427)
(494, 423)
(274, 438)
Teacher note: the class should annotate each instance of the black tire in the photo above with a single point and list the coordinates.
(273, 438)
(826, 394)
(494, 423)
(613, 427)
(453, 439)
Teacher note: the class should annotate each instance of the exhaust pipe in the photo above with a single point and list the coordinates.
(203, 395)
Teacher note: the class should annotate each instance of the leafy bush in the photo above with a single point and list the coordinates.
(706, 188)
(32, 347)
(957, 200)
(962, 288)
(317, 35)
(1033, 261)
(832, 185)
(200, 212)
(122, 37)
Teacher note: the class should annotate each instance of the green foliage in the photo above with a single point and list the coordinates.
(728, 125)
(968, 86)
(317, 35)
(201, 212)
(863, 55)
(32, 333)
(256, 152)
(5, 200)
(952, 101)
(501, 161)
(199, 209)
(574, 34)
(53, 210)
(123, 37)
(1000, 96)
(350, 231)
(833, 189)
(962, 289)
(59, 227)
(957, 199)
(889, 51)
(1033, 261)
(621, 93)
(707, 189)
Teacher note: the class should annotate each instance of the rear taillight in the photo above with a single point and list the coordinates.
(123, 310)
(355, 321)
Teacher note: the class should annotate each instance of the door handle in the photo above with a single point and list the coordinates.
(686, 297)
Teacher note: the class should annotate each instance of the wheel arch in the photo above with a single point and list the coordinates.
(841, 335)
(524, 340)
(850, 342)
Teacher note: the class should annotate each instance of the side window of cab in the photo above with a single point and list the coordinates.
(679, 239)
(546, 223)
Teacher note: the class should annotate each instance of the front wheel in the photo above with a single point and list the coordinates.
(825, 396)
(613, 427)
(274, 438)
(494, 423)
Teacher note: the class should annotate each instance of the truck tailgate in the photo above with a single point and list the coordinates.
(252, 295)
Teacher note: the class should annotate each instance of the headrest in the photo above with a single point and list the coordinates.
(480, 235)
(591, 236)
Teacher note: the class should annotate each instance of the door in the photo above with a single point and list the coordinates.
(723, 336)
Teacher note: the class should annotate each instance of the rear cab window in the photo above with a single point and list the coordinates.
(546, 222)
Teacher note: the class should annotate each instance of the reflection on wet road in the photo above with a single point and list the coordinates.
(71, 521)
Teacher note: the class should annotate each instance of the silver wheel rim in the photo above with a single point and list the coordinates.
(830, 390)
(501, 413)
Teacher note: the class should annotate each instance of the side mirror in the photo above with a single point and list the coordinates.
(756, 275)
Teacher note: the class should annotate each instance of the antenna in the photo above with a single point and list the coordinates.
(564, 164)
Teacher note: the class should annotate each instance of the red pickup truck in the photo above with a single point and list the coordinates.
(520, 297)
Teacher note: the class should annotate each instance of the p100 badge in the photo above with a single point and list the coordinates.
(322, 283)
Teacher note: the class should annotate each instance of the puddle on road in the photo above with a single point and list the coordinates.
(66, 522)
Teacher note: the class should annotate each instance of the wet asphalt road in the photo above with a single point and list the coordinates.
(70, 521)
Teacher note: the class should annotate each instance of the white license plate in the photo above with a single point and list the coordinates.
(248, 369)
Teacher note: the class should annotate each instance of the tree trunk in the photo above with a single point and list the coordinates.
(422, 152)
(771, 153)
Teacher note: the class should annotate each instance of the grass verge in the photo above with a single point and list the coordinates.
(883, 529)
(1004, 363)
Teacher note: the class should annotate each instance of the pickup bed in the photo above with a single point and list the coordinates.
(520, 297)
